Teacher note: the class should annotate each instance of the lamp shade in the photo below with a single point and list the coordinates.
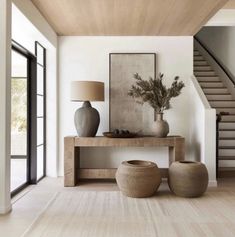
(87, 91)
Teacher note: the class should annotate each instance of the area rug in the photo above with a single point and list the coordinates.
(110, 214)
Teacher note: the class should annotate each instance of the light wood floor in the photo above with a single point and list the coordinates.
(212, 215)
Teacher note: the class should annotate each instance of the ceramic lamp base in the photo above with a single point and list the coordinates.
(87, 120)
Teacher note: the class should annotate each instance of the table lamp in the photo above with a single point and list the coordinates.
(87, 118)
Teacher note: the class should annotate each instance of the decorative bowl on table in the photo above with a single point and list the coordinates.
(120, 134)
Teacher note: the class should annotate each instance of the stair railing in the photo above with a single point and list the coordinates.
(218, 120)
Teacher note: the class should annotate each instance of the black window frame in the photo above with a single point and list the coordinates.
(43, 65)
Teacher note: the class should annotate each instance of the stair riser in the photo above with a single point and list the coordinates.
(227, 126)
(219, 97)
(215, 91)
(227, 142)
(226, 133)
(227, 163)
(211, 84)
(198, 58)
(202, 68)
(222, 103)
(228, 158)
(196, 53)
(229, 110)
(226, 152)
(228, 118)
(200, 63)
(212, 73)
(205, 79)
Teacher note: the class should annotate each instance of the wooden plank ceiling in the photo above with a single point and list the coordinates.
(128, 17)
(229, 5)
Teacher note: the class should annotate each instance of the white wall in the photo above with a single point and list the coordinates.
(48, 38)
(220, 40)
(87, 58)
(224, 17)
(5, 105)
(35, 17)
(203, 130)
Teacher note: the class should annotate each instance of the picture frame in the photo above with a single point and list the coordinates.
(124, 112)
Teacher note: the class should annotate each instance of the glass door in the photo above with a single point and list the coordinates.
(28, 113)
(19, 121)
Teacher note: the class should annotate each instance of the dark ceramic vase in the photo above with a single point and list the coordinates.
(87, 120)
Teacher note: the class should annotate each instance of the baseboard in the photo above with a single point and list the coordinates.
(5, 210)
(212, 183)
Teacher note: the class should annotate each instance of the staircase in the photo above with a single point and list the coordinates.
(219, 98)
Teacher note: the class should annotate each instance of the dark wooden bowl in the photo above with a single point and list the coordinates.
(113, 135)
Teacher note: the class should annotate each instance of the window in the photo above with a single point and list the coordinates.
(19, 120)
(28, 113)
(40, 52)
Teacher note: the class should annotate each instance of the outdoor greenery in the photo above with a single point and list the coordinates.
(19, 104)
(155, 92)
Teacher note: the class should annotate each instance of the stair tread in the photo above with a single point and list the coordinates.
(219, 100)
(227, 168)
(226, 129)
(196, 67)
(223, 107)
(232, 121)
(206, 73)
(222, 100)
(203, 71)
(214, 87)
(218, 82)
(226, 147)
(226, 138)
(210, 82)
(220, 108)
(198, 77)
(226, 157)
(210, 93)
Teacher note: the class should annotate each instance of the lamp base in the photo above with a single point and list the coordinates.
(87, 120)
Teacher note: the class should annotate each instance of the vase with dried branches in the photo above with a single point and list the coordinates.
(158, 96)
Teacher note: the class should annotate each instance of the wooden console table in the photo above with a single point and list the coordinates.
(72, 145)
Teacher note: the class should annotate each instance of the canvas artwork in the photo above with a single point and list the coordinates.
(124, 112)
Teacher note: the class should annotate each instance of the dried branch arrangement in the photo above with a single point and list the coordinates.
(154, 92)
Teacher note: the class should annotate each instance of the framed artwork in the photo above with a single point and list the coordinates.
(124, 112)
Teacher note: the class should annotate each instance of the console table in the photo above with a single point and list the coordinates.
(72, 146)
